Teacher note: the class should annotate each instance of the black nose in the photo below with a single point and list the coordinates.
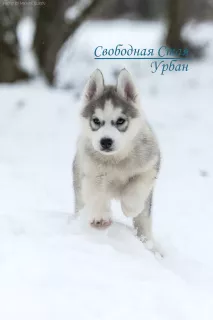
(106, 143)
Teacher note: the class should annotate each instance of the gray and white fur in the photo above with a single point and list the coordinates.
(117, 154)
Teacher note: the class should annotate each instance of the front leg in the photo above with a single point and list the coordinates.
(136, 192)
(97, 202)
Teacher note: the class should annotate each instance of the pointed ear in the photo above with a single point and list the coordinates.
(125, 87)
(94, 86)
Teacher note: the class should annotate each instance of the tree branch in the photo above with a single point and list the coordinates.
(51, 35)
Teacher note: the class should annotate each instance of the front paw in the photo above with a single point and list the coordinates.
(101, 224)
(100, 220)
(131, 205)
(130, 212)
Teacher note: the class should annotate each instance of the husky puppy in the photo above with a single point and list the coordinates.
(117, 155)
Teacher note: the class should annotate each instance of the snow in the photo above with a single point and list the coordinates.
(55, 267)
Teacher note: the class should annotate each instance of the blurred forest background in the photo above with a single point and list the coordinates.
(57, 20)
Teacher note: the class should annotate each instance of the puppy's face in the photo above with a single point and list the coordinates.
(110, 115)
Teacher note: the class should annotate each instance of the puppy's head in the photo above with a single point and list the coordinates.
(110, 114)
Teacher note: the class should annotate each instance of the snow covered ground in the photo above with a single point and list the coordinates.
(53, 267)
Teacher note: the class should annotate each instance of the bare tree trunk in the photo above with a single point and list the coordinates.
(10, 71)
(145, 9)
(53, 30)
(176, 22)
(177, 15)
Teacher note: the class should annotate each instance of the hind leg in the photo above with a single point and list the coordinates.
(143, 226)
(143, 222)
